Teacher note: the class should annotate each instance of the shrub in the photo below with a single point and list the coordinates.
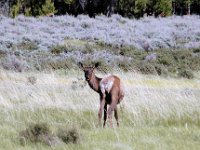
(4, 7)
(165, 59)
(146, 68)
(27, 45)
(194, 63)
(58, 49)
(197, 50)
(32, 80)
(161, 70)
(180, 55)
(151, 57)
(69, 135)
(126, 51)
(88, 48)
(185, 73)
(85, 25)
(14, 63)
(188, 59)
(125, 65)
(103, 66)
(2, 53)
(35, 133)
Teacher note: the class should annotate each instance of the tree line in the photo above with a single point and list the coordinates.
(126, 8)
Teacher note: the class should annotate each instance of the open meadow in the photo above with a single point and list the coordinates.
(157, 113)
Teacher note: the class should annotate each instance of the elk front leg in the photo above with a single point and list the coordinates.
(102, 103)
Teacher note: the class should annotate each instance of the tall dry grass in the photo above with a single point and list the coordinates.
(148, 98)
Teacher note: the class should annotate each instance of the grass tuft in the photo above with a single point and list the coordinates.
(32, 80)
(36, 133)
(69, 135)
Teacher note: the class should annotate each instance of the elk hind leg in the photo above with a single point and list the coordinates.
(110, 111)
(116, 116)
(105, 114)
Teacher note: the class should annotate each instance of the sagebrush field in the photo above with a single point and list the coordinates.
(149, 32)
(164, 46)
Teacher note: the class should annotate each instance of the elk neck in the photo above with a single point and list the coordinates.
(94, 83)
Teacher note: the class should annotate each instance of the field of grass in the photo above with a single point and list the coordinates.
(46, 103)
(157, 113)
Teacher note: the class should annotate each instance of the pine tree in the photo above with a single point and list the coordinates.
(47, 8)
(15, 8)
(140, 7)
(163, 7)
(32, 7)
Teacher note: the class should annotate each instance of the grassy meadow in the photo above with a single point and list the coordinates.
(157, 113)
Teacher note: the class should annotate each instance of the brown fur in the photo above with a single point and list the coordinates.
(110, 89)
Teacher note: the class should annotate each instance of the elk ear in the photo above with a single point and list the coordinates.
(80, 65)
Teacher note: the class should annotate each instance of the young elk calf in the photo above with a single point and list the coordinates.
(110, 89)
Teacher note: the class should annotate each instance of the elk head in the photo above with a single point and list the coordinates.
(88, 70)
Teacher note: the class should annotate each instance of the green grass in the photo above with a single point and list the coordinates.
(157, 113)
(128, 136)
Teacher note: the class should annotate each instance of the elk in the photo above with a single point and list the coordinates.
(110, 89)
